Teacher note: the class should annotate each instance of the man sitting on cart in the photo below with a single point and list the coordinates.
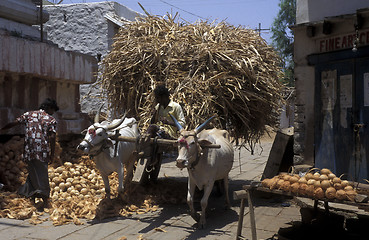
(162, 124)
(162, 127)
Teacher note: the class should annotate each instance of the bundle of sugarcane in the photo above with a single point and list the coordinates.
(209, 69)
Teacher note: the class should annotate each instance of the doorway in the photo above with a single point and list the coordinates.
(342, 113)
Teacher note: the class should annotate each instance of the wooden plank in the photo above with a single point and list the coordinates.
(252, 216)
(283, 139)
(237, 195)
(152, 140)
(280, 192)
(140, 168)
(240, 220)
(159, 141)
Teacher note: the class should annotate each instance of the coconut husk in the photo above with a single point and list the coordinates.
(86, 199)
(341, 194)
(209, 69)
(330, 193)
(76, 205)
(302, 189)
(274, 182)
(309, 191)
(266, 182)
(285, 186)
(319, 193)
(295, 187)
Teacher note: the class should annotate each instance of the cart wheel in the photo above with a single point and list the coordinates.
(155, 173)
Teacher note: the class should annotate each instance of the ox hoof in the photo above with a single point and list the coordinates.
(121, 195)
(201, 226)
(195, 216)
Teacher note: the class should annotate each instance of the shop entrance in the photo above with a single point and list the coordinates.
(342, 112)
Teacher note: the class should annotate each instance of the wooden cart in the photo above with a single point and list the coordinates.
(149, 156)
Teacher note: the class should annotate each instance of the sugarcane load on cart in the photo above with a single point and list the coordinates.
(205, 69)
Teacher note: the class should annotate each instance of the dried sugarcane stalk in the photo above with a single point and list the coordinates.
(209, 68)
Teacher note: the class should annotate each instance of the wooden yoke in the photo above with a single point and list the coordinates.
(159, 141)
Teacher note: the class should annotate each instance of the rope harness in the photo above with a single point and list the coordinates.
(199, 152)
(105, 143)
(103, 146)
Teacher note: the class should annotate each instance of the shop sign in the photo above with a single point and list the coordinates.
(340, 42)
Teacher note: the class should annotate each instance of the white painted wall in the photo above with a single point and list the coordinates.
(84, 28)
(317, 10)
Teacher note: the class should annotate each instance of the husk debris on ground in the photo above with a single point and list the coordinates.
(209, 68)
(77, 192)
(76, 207)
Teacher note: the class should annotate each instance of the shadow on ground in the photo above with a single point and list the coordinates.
(170, 194)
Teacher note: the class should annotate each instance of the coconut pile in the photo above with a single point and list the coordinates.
(77, 192)
(13, 171)
(209, 69)
(321, 184)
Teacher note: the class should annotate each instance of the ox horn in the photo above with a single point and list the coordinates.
(97, 116)
(112, 126)
(202, 126)
(178, 125)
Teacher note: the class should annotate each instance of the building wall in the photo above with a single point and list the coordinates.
(317, 10)
(310, 39)
(85, 28)
(31, 70)
(45, 60)
(20, 93)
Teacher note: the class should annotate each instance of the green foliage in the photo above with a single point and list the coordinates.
(283, 38)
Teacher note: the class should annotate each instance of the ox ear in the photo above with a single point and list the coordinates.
(204, 142)
(113, 133)
(84, 132)
(109, 142)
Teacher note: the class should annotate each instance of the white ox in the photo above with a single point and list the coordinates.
(205, 165)
(108, 158)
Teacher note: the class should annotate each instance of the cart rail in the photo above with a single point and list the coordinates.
(159, 141)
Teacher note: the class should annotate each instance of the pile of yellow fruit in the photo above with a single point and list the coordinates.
(321, 185)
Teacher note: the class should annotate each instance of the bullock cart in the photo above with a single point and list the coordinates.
(234, 74)
(149, 154)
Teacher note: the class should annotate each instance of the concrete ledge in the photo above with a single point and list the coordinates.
(22, 11)
(44, 60)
